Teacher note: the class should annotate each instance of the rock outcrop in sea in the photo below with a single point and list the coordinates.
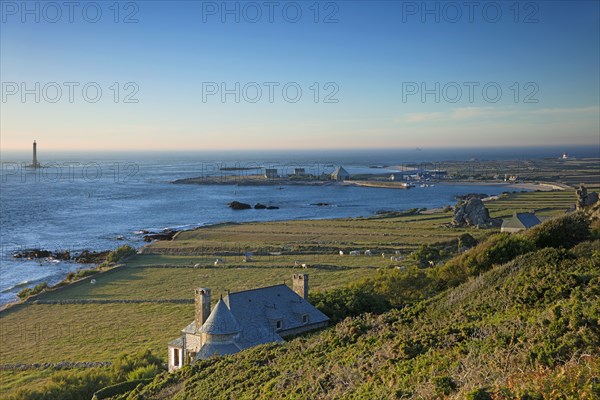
(236, 205)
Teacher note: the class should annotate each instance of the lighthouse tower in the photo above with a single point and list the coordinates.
(34, 161)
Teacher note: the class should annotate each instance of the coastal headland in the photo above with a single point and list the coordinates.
(150, 292)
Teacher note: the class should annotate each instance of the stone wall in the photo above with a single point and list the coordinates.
(111, 301)
(58, 365)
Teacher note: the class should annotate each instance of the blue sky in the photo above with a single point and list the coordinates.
(367, 61)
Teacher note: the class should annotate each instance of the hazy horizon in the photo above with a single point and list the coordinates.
(181, 75)
(349, 156)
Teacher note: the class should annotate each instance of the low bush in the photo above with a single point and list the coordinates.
(27, 292)
(120, 254)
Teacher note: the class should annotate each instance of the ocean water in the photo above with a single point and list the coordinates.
(86, 203)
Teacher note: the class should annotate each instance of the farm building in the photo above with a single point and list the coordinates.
(519, 222)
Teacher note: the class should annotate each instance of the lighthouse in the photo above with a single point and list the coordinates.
(34, 161)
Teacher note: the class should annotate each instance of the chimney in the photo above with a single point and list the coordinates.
(300, 285)
(202, 300)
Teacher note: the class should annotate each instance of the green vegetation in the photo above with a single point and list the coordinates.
(526, 326)
(567, 172)
(27, 292)
(120, 254)
(545, 204)
(404, 298)
(82, 273)
(83, 383)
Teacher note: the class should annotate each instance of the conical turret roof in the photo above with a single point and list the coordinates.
(220, 321)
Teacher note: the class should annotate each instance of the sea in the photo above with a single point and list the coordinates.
(99, 201)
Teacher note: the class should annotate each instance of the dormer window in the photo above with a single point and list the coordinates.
(278, 324)
(305, 319)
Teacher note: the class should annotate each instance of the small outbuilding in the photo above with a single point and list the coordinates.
(519, 222)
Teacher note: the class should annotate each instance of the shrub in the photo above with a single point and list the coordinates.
(466, 240)
(497, 249)
(444, 385)
(400, 287)
(68, 385)
(120, 254)
(128, 363)
(27, 292)
(424, 254)
(565, 232)
(480, 394)
(148, 371)
(338, 304)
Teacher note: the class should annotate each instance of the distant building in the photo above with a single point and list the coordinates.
(245, 319)
(34, 160)
(519, 222)
(340, 174)
(436, 173)
(299, 172)
(271, 173)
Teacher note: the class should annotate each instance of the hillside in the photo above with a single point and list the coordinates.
(446, 330)
(526, 329)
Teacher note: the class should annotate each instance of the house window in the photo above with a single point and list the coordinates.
(305, 319)
(176, 357)
(278, 324)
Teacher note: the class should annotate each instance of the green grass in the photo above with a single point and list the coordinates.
(99, 332)
(313, 237)
(550, 204)
(179, 283)
(88, 332)
(9, 380)
(524, 329)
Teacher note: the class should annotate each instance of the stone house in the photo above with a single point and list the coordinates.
(245, 319)
(519, 222)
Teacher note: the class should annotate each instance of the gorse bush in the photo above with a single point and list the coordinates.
(527, 329)
(496, 249)
(68, 385)
(338, 304)
(80, 384)
(25, 293)
(128, 363)
(565, 232)
(120, 254)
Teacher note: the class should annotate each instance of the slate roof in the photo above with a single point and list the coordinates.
(177, 342)
(220, 321)
(216, 349)
(521, 220)
(258, 310)
(245, 319)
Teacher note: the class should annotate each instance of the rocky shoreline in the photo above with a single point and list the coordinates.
(84, 257)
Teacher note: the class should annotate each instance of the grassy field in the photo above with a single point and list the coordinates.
(570, 172)
(308, 237)
(32, 333)
(543, 203)
(179, 283)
